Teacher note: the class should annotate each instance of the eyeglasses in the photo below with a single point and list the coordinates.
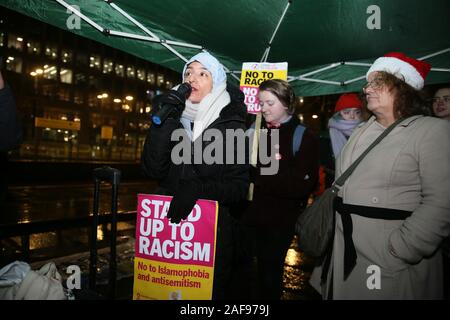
(376, 84)
(445, 99)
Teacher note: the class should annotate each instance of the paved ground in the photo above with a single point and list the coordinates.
(295, 283)
(67, 247)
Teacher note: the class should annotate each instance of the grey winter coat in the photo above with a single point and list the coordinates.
(409, 170)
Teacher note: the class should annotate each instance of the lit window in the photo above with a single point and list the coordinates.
(14, 43)
(50, 72)
(127, 108)
(66, 56)
(51, 51)
(33, 47)
(130, 72)
(107, 66)
(140, 74)
(66, 75)
(14, 64)
(94, 62)
(160, 80)
(150, 77)
(120, 70)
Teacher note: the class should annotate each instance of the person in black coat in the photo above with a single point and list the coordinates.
(279, 198)
(10, 132)
(10, 129)
(210, 107)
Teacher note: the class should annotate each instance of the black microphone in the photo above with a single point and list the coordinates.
(174, 99)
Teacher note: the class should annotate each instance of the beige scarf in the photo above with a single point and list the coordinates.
(208, 110)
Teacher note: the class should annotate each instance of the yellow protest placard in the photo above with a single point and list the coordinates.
(253, 74)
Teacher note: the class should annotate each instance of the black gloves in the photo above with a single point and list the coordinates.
(184, 200)
(174, 100)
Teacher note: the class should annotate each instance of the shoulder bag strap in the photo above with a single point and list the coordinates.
(341, 180)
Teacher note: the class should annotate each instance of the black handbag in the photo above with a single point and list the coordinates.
(315, 225)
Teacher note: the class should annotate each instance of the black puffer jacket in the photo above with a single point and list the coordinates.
(10, 127)
(225, 183)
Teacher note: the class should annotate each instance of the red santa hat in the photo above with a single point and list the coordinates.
(410, 70)
(347, 101)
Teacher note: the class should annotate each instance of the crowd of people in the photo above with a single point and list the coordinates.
(394, 212)
(395, 207)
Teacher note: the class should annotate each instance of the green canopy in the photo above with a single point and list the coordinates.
(328, 44)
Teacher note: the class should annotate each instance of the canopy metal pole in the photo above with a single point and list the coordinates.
(320, 81)
(133, 20)
(231, 73)
(153, 38)
(146, 30)
(132, 36)
(440, 69)
(265, 55)
(354, 80)
(182, 44)
(434, 54)
(331, 66)
(362, 64)
(139, 25)
(266, 52)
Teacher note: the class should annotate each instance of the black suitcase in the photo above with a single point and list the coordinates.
(111, 175)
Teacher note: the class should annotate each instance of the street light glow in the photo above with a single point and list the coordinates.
(129, 98)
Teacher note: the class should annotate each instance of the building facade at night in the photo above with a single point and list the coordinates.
(78, 100)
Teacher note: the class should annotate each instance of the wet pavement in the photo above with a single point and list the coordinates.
(295, 286)
(68, 247)
(47, 202)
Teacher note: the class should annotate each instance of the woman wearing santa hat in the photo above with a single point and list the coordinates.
(394, 210)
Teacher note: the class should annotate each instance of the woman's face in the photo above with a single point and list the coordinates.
(200, 80)
(441, 103)
(379, 99)
(272, 108)
(351, 114)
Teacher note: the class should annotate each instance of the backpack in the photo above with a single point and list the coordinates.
(298, 136)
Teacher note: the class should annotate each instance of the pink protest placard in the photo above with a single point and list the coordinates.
(174, 260)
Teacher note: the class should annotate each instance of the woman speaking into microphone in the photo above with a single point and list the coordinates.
(211, 105)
